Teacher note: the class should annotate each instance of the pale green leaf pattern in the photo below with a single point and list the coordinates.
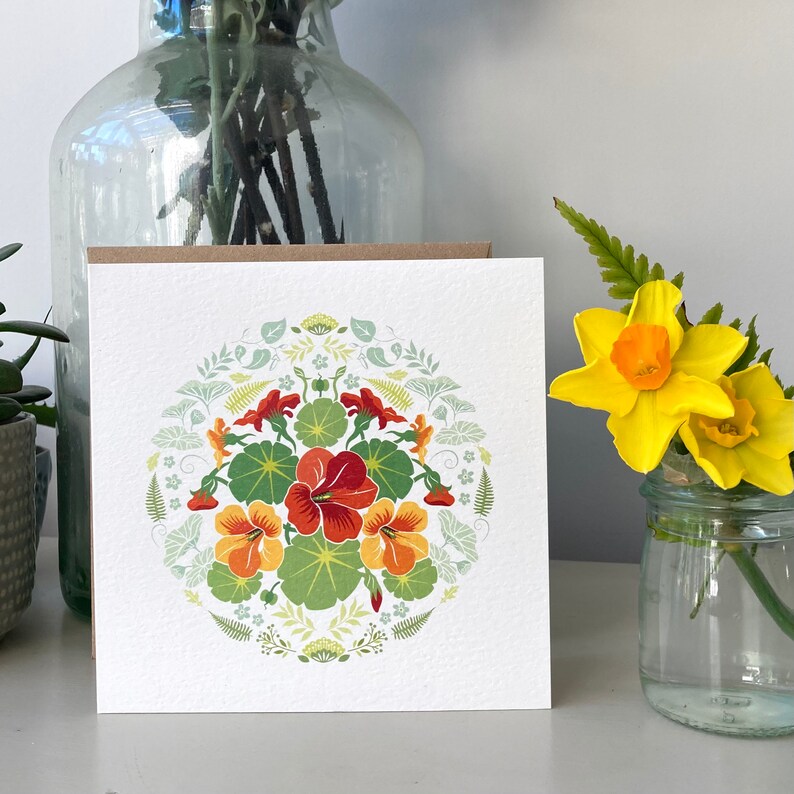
(459, 535)
(199, 568)
(443, 562)
(181, 540)
(176, 437)
(460, 433)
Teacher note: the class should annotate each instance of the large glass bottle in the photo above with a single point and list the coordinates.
(236, 123)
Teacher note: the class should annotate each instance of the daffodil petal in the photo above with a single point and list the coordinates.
(598, 385)
(774, 421)
(755, 384)
(766, 473)
(723, 465)
(643, 435)
(597, 330)
(655, 303)
(682, 394)
(708, 350)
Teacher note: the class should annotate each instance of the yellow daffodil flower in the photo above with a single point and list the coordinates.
(753, 443)
(647, 373)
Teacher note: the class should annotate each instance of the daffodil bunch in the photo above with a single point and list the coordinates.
(667, 384)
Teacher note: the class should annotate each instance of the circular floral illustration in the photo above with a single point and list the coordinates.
(320, 490)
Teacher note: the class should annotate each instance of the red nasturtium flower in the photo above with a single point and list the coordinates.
(392, 541)
(440, 496)
(271, 409)
(250, 543)
(366, 408)
(331, 489)
(202, 500)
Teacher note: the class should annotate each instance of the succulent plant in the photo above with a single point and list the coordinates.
(14, 394)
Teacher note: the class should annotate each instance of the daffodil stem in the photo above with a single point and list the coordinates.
(754, 576)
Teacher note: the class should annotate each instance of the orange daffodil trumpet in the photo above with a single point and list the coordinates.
(752, 444)
(648, 373)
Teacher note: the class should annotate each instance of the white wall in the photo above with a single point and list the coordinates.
(671, 122)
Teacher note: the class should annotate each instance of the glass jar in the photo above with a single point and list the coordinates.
(236, 123)
(716, 627)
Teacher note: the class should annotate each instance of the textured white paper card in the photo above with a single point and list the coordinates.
(319, 486)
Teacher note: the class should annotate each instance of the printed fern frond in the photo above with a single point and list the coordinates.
(410, 626)
(619, 266)
(155, 504)
(232, 628)
(483, 499)
(243, 396)
(397, 395)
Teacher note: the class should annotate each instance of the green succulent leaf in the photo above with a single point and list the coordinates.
(262, 471)
(318, 573)
(30, 394)
(9, 250)
(34, 329)
(8, 408)
(390, 468)
(321, 423)
(10, 378)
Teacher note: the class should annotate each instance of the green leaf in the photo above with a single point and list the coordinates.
(321, 423)
(418, 583)
(9, 409)
(377, 356)
(389, 467)
(484, 498)
(398, 374)
(10, 377)
(184, 95)
(207, 392)
(449, 594)
(176, 437)
(199, 568)
(21, 361)
(179, 410)
(45, 415)
(318, 573)
(232, 628)
(259, 358)
(457, 405)
(272, 332)
(443, 562)
(746, 358)
(485, 456)
(228, 587)
(262, 471)
(459, 535)
(397, 395)
(34, 329)
(193, 597)
(363, 330)
(155, 504)
(410, 626)
(181, 540)
(151, 461)
(244, 395)
(712, 316)
(9, 250)
(430, 388)
(460, 433)
(619, 267)
(240, 377)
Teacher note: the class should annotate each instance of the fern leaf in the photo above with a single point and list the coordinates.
(397, 395)
(750, 351)
(483, 500)
(712, 316)
(232, 628)
(155, 504)
(410, 626)
(619, 267)
(244, 395)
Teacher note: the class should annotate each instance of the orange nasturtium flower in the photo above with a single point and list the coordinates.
(393, 541)
(251, 542)
(754, 443)
(647, 373)
(217, 438)
(423, 433)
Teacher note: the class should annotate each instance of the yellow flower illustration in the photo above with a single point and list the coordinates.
(647, 373)
(752, 444)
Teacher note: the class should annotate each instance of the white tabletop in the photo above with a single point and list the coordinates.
(599, 737)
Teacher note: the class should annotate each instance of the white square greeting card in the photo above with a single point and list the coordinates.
(319, 486)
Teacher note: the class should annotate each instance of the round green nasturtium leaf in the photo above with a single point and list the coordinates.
(389, 467)
(228, 587)
(318, 573)
(321, 423)
(416, 584)
(262, 471)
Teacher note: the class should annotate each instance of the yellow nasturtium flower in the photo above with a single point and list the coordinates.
(753, 443)
(647, 373)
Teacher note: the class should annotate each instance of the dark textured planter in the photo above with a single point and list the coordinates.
(17, 518)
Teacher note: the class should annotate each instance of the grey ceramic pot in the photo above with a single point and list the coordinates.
(43, 477)
(17, 518)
